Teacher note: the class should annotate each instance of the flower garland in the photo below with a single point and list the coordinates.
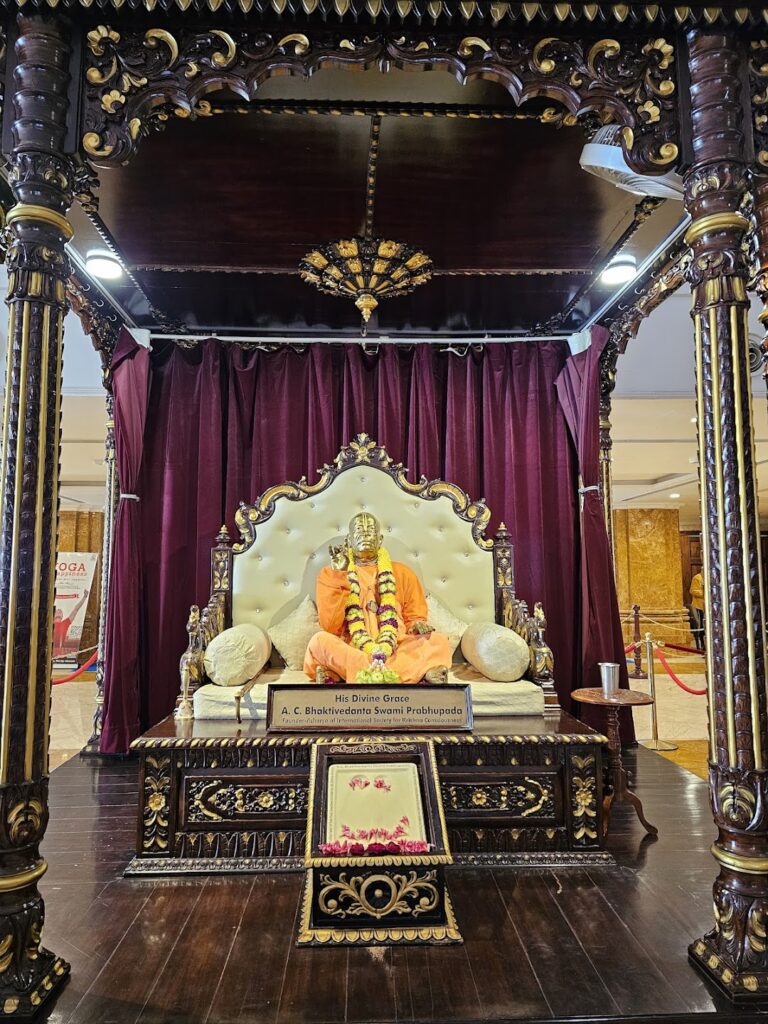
(386, 642)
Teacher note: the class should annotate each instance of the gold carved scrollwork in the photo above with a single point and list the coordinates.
(224, 58)
(157, 784)
(220, 570)
(608, 48)
(380, 895)
(758, 77)
(757, 935)
(121, 67)
(737, 803)
(6, 952)
(724, 919)
(25, 822)
(545, 65)
(142, 78)
(525, 798)
(584, 798)
(155, 36)
(216, 800)
(301, 44)
(33, 943)
(362, 450)
(470, 43)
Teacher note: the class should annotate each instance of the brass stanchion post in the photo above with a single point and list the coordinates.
(637, 672)
(655, 743)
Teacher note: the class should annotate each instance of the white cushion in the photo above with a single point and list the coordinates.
(292, 634)
(499, 653)
(489, 699)
(445, 622)
(237, 655)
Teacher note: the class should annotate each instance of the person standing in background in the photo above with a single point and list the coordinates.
(697, 609)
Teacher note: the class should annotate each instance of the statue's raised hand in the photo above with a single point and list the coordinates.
(339, 556)
(422, 628)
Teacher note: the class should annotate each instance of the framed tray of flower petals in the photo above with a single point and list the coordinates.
(375, 798)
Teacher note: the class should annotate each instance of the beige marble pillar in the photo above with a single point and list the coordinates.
(649, 572)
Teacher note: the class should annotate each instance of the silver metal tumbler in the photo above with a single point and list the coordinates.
(609, 676)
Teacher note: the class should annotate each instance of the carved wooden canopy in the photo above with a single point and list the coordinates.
(443, 12)
(491, 149)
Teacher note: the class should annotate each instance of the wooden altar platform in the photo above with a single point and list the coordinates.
(223, 797)
(540, 944)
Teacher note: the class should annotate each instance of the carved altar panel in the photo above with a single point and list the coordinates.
(649, 572)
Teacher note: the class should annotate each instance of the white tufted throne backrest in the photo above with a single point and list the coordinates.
(432, 527)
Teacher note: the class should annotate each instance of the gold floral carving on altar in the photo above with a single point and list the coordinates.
(526, 797)
(385, 932)
(379, 895)
(215, 800)
(157, 785)
(584, 798)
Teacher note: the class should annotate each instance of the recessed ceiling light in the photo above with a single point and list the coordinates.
(693, 419)
(620, 270)
(674, 494)
(104, 264)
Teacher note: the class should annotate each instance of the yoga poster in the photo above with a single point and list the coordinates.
(74, 581)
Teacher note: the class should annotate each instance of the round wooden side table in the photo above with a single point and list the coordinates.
(620, 785)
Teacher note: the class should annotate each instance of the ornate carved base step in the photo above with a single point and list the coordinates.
(36, 986)
(148, 866)
(211, 865)
(745, 986)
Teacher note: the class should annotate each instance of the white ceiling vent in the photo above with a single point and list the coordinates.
(604, 158)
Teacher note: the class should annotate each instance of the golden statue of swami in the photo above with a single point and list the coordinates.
(373, 613)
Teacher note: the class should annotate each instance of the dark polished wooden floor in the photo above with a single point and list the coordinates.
(539, 944)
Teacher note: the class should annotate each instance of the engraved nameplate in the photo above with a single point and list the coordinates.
(368, 708)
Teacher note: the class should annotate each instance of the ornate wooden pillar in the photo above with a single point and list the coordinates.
(608, 363)
(735, 952)
(37, 270)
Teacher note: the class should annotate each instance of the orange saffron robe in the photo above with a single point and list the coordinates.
(331, 649)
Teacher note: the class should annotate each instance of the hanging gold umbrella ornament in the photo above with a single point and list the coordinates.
(366, 268)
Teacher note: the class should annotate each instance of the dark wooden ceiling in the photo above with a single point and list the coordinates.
(213, 216)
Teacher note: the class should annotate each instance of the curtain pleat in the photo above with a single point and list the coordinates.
(225, 423)
(125, 609)
(578, 388)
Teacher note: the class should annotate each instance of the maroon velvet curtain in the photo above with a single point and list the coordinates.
(224, 424)
(578, 388)
(121, 721)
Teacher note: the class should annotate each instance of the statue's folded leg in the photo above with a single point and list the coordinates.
(330, 652)
(417, 655)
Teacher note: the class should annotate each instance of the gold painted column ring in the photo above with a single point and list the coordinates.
(41, 214)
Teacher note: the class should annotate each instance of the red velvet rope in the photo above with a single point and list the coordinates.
(630, 648)
(679, 647)
(78, 672)
(675, 679)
